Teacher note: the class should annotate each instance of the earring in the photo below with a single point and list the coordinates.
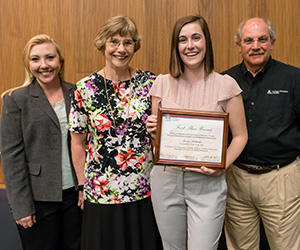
(31, 76)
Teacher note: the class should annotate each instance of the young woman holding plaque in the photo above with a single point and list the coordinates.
(189, 203)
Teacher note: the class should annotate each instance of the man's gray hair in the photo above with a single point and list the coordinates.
(272, 32)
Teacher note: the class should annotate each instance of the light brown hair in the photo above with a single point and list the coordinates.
(176, 64)
(121, 25)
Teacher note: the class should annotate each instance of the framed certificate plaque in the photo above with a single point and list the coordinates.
(191, 138)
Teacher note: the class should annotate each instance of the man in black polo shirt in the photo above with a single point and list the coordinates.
(264, 182)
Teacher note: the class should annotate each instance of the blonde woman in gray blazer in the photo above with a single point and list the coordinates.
(40, 180)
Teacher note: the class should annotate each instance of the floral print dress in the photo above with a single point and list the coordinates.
(119, 154)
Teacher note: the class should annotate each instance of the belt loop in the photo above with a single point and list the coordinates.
(164, 168)
(278, 167)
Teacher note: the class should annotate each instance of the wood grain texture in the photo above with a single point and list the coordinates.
(75, 23)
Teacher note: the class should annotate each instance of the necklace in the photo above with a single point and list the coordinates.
(124, 125)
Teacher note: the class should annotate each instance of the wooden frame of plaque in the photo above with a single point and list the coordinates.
(191, 138)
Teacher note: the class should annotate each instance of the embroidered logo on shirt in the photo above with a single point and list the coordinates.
(276, 92)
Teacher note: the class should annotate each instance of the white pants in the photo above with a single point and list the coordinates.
(189, 208)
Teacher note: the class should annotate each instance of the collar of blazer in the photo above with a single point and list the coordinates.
(40, 99)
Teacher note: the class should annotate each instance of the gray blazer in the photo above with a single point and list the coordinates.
(31, 145)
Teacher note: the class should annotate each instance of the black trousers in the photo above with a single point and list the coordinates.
(57, 227)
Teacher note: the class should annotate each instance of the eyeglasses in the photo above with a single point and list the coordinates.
(260, 40)
(127, 44)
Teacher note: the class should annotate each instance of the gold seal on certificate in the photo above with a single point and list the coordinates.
(191, 138)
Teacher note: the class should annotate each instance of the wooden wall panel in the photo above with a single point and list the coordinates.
(75, 23)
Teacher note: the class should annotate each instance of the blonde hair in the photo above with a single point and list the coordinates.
(121, 25)
(39, 39)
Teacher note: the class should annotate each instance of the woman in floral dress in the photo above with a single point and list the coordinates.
(111, 148)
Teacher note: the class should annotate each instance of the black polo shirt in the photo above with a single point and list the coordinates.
(272, 107)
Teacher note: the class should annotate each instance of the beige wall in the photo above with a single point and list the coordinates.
(74, 24)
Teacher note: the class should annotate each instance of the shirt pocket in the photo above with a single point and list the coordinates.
(279, 111)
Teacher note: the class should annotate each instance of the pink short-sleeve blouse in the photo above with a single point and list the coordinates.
(210, 94)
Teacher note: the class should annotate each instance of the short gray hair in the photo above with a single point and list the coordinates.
(272, 32)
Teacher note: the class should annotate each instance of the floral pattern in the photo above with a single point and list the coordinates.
(119, 158)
